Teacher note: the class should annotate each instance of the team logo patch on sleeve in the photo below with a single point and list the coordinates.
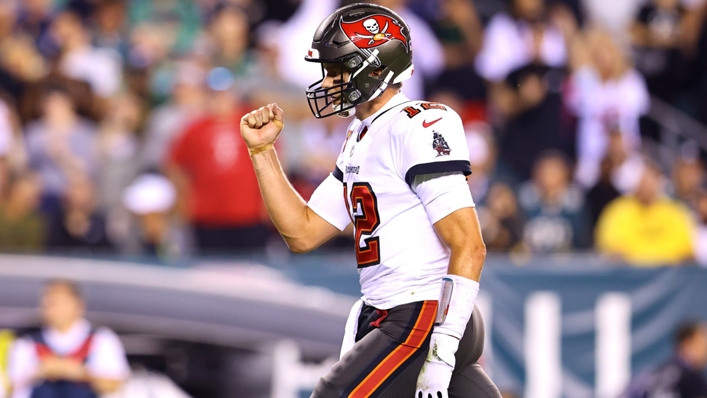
(440, 145)
(374, 30)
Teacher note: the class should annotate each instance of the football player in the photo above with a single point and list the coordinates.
(400, 179)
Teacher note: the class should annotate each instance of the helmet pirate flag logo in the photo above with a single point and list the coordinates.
(374, 30)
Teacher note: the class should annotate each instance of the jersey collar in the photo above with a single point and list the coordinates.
(74, 335)
(397, 99)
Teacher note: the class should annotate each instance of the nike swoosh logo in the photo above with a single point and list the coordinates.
(425, 124)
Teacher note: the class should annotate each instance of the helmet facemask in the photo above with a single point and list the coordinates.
(340, 99)
(363, 84)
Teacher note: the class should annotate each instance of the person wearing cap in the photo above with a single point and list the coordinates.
(151, 197)
(681, 376)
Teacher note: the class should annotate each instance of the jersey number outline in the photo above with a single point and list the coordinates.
(366, 219)
(413, 111)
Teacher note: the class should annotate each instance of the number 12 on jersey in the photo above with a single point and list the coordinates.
(366, 219)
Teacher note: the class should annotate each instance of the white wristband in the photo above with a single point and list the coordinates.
(456, 303)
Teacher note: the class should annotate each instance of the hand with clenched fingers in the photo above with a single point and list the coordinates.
(261, 127)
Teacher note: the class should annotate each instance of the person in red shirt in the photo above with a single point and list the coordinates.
(210, 166)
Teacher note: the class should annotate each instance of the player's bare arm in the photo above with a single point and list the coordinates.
(461, 232)
(302, 229)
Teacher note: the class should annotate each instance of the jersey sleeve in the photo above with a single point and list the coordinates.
(434, 143)
(328, 199)
(442, 194)
(107, 359)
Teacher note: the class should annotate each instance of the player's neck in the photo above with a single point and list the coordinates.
(368, 108)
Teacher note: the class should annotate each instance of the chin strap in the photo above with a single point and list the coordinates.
(346, 112)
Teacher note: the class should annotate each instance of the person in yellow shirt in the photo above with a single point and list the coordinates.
(646, 228)
(6, 339)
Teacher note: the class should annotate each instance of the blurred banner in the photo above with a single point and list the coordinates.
(582, 332)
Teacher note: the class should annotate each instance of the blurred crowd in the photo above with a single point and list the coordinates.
(119, 121)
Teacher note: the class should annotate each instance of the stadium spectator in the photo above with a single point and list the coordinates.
(619, 173)
(185, 104)
(483, 156)
(688, 179)
(68, 357)
(681, 376)
(79, 59)
(59, 145)
(294, 38)
(13, 154)
(225, 42)
(646, 228)
(31, 105)
(22, 228)
(625, 164)
(554, 207)
(602, 193)
(210, 166)
(459, 30)
(150, 44)
(606, 94)
(523, 58)
(701, 234)
(265, 83)
(117, 148)
(108, 30)
(151, 198)
(34, 19)
(78, 227)
(523, 36)
(7, 337)
(18, 59)
(173, 23)
(8, 19)
(500, 219)
(6, 143)
(657, 37)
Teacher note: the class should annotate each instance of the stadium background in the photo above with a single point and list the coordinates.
(121, 167)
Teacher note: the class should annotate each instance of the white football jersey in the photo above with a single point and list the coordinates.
(400, 257)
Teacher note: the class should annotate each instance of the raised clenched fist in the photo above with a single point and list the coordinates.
(262, 126)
